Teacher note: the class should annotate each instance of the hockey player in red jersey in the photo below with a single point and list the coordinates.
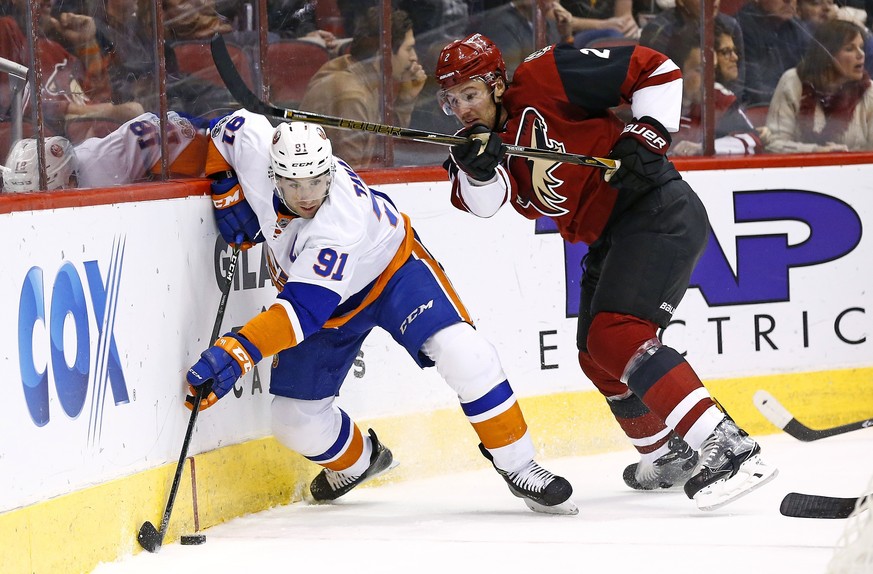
(645, 228)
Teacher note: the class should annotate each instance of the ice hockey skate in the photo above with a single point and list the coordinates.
(330, 484)
(730, 467)
(672, 469)
(541, 490)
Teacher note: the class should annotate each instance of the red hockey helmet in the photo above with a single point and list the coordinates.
(473, 57)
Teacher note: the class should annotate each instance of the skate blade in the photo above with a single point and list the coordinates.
(567, 507)
(753, 474)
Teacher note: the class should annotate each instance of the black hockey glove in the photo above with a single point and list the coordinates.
(641, 148)
(480, 155)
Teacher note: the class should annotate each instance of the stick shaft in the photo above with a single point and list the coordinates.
(237, 87)
(201, 391)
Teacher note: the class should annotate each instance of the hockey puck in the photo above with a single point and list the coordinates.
(193, 539)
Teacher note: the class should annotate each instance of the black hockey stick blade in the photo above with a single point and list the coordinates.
(783, 419)
(799, 505)
(247, 99)
(149, 537)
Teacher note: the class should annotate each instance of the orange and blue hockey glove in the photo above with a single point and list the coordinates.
(219, 367)
(233, 214)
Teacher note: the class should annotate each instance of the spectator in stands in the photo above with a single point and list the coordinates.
(826, 102)
(350, 86)
(75, 78)
(432, 20)
(813, 13)
(589, 20)
(129, 154)
(734, 133)
(193, 20)
(453, 19)
(295, 19)
(774, 41)
(673, 24)
(511, 27)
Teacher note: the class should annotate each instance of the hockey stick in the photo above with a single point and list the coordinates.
(780, 417)
(247, 99)
(149, 537)
(813, 506)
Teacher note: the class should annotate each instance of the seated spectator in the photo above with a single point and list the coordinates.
(453, 22)
(192, 20)
(431, 20)
(129, 154)
(74, 85)
(734, 133)
(511, 27)
(674, 23)
(350, 87)
(813, 13)
(295, 19)
(825, 103)
(587, 20)
(774, 41)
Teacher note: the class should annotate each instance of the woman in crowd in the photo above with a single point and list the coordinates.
(734, 133)
(825, 103)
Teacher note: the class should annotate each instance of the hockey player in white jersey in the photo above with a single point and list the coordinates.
(129, 154)
(345, 260)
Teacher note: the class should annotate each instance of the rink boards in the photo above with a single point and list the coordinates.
(105, 306)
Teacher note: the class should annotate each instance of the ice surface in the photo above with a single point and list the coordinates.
(470, 522)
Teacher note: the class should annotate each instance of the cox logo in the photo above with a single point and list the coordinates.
(68, 325)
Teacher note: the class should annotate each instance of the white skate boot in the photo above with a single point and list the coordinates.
(730, 467)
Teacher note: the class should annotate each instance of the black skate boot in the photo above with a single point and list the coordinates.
(671, 469)
(330, 484)
(730, 467)
(541, 490)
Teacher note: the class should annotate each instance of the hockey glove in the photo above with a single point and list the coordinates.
(220, 366)
(641, 148)
(480, 155)
(233, 214)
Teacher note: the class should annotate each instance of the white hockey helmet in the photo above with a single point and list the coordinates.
(23, 174)
(300, 150)
(301, 159)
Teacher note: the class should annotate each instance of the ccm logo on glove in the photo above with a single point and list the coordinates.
(647, 135)
(236, 350)
(232, 197)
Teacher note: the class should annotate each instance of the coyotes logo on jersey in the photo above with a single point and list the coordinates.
(542, 196)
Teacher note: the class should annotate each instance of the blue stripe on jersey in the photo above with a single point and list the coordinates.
(341, 440)
(312, 303)
(496, 396)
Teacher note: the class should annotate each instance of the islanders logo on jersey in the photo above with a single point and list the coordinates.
(533, 132)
